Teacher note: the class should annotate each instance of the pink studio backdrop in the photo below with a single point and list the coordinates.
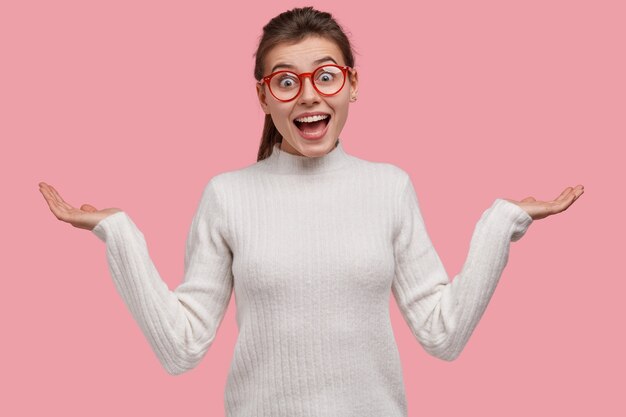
(137, 104)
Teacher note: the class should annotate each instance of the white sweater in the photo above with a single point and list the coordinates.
(313, 248)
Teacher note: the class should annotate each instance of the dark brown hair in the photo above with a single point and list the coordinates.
(290, 27)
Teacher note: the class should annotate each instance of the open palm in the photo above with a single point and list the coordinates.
(540, 209)
(85, 217)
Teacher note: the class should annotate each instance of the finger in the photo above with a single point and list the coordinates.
(567, 197)
(564, 194)
(578, 194)
(47, 196)
(44, 191)
(56, 194)
(579, 189)
(88, 207)
(59, 208)
(567, 201)
(52, 202)
(60, 200)
(52, 194)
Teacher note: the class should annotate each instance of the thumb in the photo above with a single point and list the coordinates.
(88, 207)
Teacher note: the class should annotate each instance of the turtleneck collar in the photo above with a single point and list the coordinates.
(282, 162)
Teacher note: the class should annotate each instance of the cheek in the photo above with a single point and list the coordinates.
(281, 119)
(280, 115)
(341, 108)
(341, 112)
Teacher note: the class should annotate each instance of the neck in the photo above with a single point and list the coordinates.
(282, 162)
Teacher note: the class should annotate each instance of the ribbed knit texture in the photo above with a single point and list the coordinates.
(313, 249)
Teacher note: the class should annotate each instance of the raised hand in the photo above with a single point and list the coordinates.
(540, 209)
(85, 217)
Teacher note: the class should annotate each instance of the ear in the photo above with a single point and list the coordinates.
(354, 84)
(260, 90)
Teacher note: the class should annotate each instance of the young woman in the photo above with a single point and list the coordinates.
(312, 241)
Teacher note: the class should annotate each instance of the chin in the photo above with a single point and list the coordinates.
(317, 148)
(311, 148)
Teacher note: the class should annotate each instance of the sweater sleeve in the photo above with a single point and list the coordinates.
(441, 314)
(180, 325)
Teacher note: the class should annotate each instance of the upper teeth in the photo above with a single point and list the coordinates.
(310, 119)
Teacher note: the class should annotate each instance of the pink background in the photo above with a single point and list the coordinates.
(137, 104)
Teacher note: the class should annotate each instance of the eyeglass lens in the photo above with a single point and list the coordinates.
(286, 85)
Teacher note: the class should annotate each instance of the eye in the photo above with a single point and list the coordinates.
(287, 81)
(326, 76)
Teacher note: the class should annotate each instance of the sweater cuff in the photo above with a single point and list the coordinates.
(520, 220)
(104, 226)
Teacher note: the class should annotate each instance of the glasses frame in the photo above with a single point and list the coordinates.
(267, 79)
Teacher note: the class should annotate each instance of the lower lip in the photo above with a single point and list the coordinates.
(316, 136)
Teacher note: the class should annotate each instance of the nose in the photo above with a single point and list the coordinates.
(308, 94)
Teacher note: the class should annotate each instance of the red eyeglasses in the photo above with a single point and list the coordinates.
(327, 80)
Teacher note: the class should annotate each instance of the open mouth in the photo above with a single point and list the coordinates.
(314, 125)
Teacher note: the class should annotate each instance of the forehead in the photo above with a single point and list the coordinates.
(302, 55)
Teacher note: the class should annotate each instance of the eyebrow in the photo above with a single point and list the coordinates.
(319, 61)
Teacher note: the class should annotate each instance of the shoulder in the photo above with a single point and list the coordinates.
(391, 174)
(226, 185)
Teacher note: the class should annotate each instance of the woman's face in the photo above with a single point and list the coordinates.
(300, 57)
